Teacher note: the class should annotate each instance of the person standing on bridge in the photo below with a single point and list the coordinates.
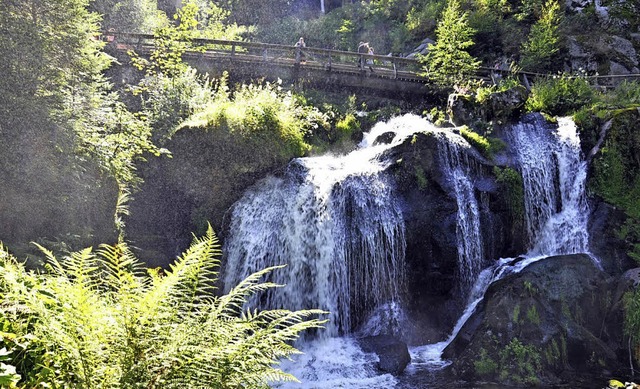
(370, 60)
(363, 48)
(300, 57)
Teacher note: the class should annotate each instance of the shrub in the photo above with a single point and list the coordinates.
(485, 365)
(520, 363)
(168, 101)
(560, 95)
(486, 146)
(263, 117)
(98, 320)
(347, 126)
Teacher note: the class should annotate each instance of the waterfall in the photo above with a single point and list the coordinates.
(337, 225)
(333, 220)
(554, 176)
(556, 211)
(457, 168)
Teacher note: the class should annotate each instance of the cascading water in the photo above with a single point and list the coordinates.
(556, 210)
(554, 177)
(336, 225)
(341, 237)
(457, 168)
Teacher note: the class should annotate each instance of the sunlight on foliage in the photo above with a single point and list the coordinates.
(448, 62)
(542, 45)
(560, 95)
(263, 115)
(97, 320)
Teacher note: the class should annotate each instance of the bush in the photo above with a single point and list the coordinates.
(520, 363)
(99, 320)
(168, 101)
(262, 117)
(560, 95)
(347, 126)
(486, 146)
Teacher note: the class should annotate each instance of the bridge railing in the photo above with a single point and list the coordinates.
(333, 60)
(328, 59)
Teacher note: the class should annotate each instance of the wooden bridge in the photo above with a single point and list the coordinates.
(387, 75)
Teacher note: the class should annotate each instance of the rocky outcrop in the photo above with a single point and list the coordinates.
(605, 55)
(558, 318)
(392, 353)
(209, 170)
(429, 210)
(504, 106)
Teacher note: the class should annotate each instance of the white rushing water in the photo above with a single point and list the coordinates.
(457, 168)
(333, 220)
(556, 211)
(554, 176)
(336, 225)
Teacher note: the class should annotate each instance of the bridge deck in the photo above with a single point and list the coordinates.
(388, 74)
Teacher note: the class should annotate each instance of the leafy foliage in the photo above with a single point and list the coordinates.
(486, 146)
(560, 95)
(520, 363)
(542, 44)
(168, 101)
(134, 16)
(267, 119)
(58, 110)
(96, 320)
(615, 175)
(447, 62)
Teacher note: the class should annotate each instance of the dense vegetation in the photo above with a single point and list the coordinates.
(99, 320)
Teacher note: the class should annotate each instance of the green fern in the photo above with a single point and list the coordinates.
(98, 320)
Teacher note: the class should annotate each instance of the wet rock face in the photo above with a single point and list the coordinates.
(556, 319)
(393, 354)
(385, 138)
(429, 211)
(501, 106)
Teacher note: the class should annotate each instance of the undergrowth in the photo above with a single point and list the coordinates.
(98, 319)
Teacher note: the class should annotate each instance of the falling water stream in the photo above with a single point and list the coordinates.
(556, 210)
(336, 224)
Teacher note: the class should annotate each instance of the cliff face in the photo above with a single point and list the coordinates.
(207, 173)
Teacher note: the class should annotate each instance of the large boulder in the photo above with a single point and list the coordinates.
(393, 353)
(559, 319)
(503, 107)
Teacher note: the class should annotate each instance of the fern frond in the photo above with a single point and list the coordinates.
(52, 263)
(189, 281)
(124, 272)
(232, 302)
